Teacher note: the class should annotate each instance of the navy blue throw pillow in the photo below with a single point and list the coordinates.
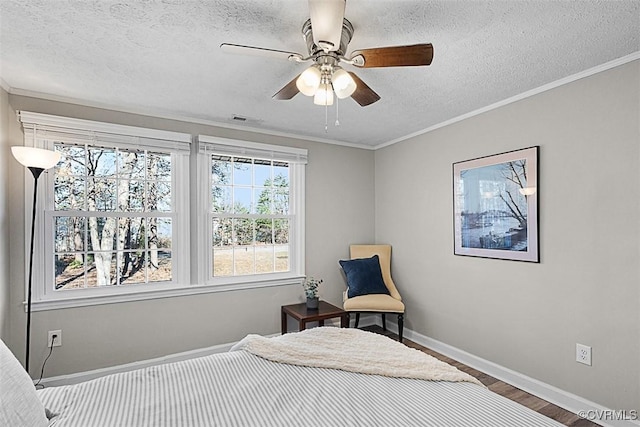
(364, 276)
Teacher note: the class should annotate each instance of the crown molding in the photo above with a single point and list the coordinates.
(566, 80)
(168, 116)
(163, 115)
(4, 85)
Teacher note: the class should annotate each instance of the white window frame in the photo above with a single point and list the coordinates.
(36, 128)
(297, 159)
(191, 249)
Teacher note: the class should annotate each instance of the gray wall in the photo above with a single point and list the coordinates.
(5, 155)
(528, 317)
(339, 210)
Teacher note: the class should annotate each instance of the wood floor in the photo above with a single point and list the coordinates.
(507, 390)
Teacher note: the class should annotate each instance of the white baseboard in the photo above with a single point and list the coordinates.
(561, 398)
(365, 320)
(97, 373)
(558, 397)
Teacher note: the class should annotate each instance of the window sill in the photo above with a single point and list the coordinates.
(83, 301)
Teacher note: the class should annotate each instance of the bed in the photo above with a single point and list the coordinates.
(319, 377)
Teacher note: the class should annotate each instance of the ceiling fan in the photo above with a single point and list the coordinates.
(327, 34)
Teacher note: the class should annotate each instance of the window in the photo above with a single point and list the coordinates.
(254, 198)
(250, 214)
(115, 210)
(123, 216)
(112, 216)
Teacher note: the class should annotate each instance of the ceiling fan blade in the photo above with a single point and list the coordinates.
(363, 94)
(326, 23)
(288, 91)
(393, 56)
(260, 51)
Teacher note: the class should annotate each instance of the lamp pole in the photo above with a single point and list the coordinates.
(36, 174)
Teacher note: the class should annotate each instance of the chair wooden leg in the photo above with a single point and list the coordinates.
(400, 326)
(384, 322)
(357, 320)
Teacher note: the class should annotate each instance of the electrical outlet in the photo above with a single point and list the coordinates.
(583, 354)
(57, 341)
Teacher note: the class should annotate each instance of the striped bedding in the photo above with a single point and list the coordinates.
(241, 389)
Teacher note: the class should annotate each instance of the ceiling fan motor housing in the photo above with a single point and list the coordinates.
(315, 50)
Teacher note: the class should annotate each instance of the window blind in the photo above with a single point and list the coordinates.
(229, 147)
(44, 127)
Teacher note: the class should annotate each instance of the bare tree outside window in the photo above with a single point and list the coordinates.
(109, 223)
(250, 209)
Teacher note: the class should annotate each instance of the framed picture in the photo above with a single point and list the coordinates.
(496, 206)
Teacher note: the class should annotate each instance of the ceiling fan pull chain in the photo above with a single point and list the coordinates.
(337, 111)
(326, 117)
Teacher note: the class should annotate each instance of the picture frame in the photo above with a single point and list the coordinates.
(496, 206)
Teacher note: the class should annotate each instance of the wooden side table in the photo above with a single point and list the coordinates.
(303, 315)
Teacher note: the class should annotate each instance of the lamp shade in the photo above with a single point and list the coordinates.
(324, 95)
(309, 81)
(343, 84)
(326, 22)
(35, 157)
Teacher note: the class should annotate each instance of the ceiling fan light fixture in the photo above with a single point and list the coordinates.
(326, 19)
(343, 83)
(324, 95)
(309, 81)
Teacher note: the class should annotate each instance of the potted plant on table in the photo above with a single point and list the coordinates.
(310, 286)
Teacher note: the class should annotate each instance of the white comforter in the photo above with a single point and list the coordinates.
(352, 350)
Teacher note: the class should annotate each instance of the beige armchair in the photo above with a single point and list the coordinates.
(376, 303)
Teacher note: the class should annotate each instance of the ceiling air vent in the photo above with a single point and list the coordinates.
(243, 120)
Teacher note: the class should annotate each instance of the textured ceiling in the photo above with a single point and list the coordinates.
(163, 57)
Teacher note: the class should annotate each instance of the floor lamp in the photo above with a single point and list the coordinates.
(37, 160)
